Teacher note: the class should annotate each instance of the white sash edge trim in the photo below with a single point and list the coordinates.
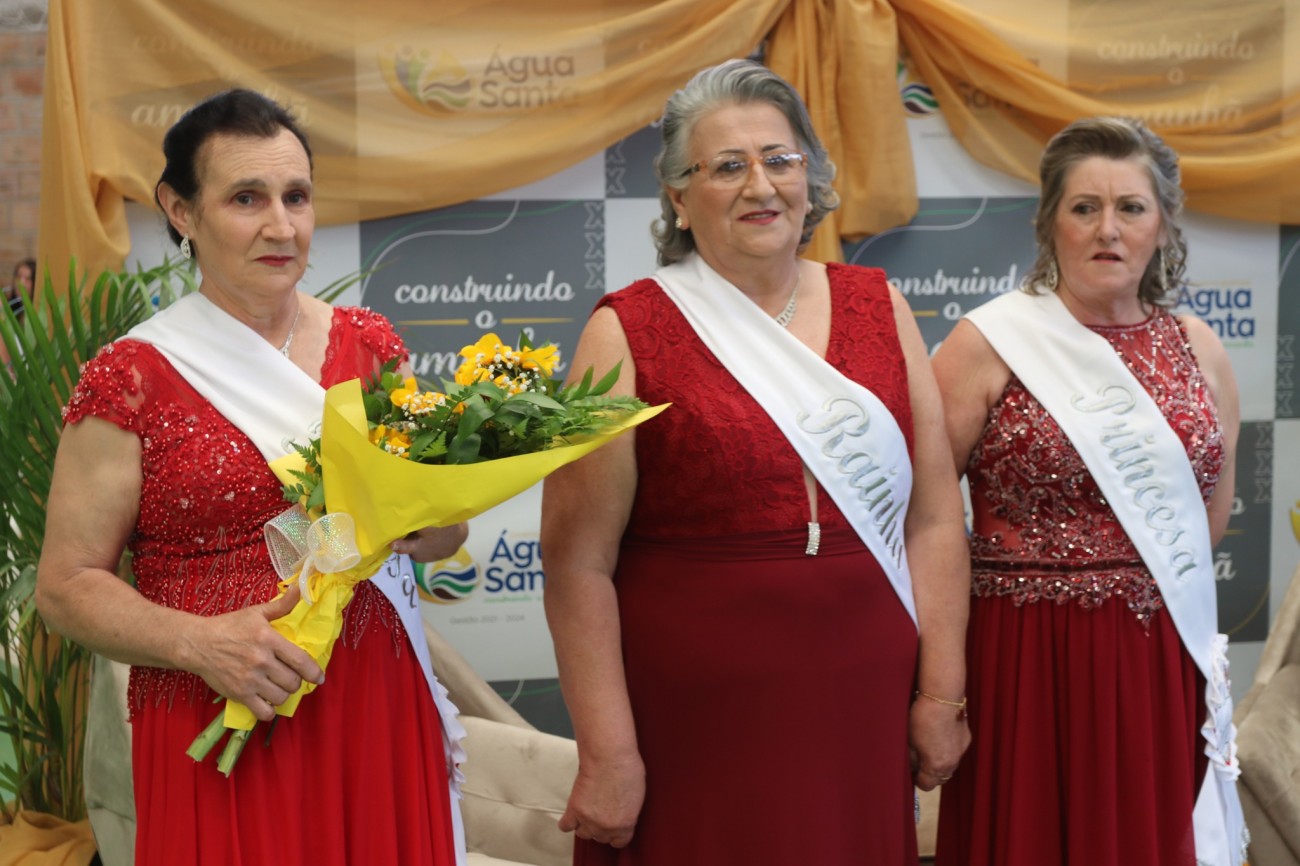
(841, 431)
(274, 403)
(1126, 443)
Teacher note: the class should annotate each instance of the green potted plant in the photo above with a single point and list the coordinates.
(43, 677)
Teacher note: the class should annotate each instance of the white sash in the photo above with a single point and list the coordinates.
(275, 403)
(1140, 465)
(256, 388)
(842, 432)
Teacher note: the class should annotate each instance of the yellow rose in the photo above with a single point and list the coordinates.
(542, 358)
(401, 396)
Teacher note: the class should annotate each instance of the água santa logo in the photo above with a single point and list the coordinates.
(449, 581)
(435, 89)
(917, 97)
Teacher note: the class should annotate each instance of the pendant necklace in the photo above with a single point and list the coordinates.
(288, 341)
(784, 317)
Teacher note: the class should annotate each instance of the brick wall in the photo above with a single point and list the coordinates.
(22, 73)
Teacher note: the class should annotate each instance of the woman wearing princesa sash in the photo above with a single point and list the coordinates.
(1087, 704)
(738, 660)
(358, 774)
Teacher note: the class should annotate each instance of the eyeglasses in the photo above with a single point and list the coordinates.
(732, 169)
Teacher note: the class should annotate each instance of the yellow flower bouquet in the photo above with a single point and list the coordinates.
(392, 459)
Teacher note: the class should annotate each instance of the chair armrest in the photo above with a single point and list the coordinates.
(469, 692)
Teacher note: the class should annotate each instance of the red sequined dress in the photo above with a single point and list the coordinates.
(358, 774)
(1084, 706)
(769, 688)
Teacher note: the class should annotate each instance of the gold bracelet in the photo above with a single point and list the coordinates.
(960, 705)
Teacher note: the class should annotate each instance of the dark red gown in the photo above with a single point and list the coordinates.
(770, 689)
(358, 774)
(1084, 706)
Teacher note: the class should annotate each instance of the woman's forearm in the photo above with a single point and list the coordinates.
(582, 610)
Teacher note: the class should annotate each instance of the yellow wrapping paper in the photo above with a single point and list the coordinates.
(387, 498)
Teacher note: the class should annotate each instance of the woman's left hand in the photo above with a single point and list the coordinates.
(938, 738)
(433, 542)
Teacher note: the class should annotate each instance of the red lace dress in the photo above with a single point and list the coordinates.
(358, 774)
(770, 689)
(1085, 708)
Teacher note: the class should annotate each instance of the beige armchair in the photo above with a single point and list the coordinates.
(517, 778)
(1268, 742)
(928, 827)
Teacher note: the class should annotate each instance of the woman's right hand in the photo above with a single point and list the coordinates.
(243, 658)
(606, 801)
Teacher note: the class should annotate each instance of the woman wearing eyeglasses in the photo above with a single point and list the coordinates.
(734, 591)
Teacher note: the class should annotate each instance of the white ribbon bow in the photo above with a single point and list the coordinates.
(300, 545)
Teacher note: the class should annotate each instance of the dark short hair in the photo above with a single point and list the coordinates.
(232, 112)
(734, 82)
(1117, 138)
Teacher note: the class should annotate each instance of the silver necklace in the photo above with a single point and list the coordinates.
(784, 317)
(284, 350)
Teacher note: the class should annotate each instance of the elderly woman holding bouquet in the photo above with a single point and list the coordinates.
(165, 453)
(758, 600)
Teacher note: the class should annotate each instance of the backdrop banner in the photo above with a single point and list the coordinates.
(488, 165)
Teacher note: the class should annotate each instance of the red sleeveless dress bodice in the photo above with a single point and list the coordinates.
(715, 463)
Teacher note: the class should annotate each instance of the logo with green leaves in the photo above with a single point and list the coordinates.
(449, 581)
(432, 88)
(918, 98)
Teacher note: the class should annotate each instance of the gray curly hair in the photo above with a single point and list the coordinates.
(1112, 138)
(734, 82)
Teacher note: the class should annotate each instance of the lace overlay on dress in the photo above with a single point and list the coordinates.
(206, 491)
(743, 476)
(1042, 529)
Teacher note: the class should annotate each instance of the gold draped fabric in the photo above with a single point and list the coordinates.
(1215, 79)
(843, 58)
(409, 105)
(413, 105)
